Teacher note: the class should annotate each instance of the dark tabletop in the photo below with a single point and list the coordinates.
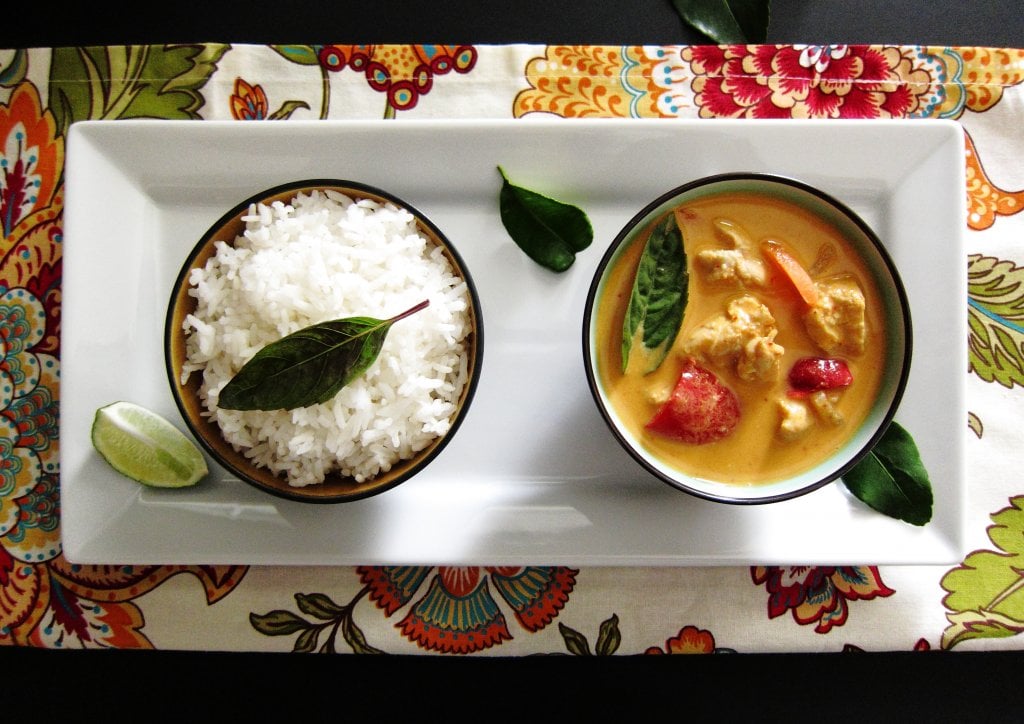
(927, 22)
(833, 687)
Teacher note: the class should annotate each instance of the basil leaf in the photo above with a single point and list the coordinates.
(892, 479)
(309, 366)
(549, 231)
(732, 21)
(659, 295)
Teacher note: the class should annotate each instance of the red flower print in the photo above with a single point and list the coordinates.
(404, 73)
(802, 81)
(689, 640)
(818, 594)
(31, 154)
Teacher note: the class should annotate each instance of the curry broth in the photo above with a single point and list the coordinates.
(753, 453)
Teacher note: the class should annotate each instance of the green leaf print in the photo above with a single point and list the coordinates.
(575, 642)
(975, 424)
(608, 637)
(130, 81)
(301, 54)
(995, 317)
(305, 55)
(330, 619)
(287, 109)
(15, 70)
(986, 592)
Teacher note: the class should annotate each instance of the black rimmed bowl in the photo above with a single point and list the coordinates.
(335, 488)
(895, 315)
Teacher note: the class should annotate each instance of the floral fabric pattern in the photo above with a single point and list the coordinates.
(47, 601)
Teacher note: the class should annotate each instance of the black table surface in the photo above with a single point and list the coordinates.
(801, 687)
(994, 23)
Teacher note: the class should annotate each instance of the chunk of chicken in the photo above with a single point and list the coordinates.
(730, 265)
(836, 322)
(795, 418)
(744, 335)
(824, 405)
(738, 263)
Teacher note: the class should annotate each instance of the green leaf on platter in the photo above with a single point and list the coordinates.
(727, 21)
(985, 594)
(301, 54)
(995, 319)
(130, 81)
(550, 232)
(892, 479)
(659, 296)
(309, 366)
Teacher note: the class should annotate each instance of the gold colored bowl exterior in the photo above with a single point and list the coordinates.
(336, 488)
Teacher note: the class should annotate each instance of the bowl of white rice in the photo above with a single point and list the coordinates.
(303, 254)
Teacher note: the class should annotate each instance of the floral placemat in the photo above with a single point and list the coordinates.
(45, 601)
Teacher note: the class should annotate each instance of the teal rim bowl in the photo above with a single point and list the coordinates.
(898, 335)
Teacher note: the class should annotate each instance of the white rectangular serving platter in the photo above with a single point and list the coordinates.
(532, 476)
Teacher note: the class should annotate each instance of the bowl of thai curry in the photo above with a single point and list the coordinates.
(747, 338)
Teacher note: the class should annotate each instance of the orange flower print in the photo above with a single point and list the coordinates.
(592, 81)
(818, 594)
(248, 102)
(806, 81)
(46, 601)
(689, 640)
(31, 206)
(31, 155)
(986, 200)
(30, 159)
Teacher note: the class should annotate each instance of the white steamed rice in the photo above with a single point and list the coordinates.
(325, 256)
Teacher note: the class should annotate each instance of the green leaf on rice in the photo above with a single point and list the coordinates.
(309, 366)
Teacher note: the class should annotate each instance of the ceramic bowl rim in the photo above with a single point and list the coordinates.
(407, 468)
(680, 481)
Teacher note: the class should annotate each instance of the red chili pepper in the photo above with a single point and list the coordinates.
(811, 374)
(701, 409)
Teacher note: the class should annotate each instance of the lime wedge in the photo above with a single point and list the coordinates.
(145, 447)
